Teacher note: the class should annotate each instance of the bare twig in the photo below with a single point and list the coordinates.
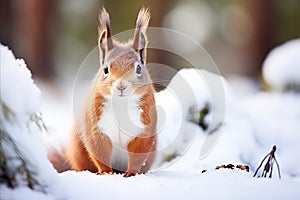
(260, 165)
(268, 167)
(277, 167)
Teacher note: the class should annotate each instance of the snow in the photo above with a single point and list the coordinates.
(249, 127)
(22, 97)
(13, 70)
(282, 67)
(22, 193)
(276, 119)
(167, 185)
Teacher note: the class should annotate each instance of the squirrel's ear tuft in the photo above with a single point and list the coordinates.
(140, 38)
(105, 42)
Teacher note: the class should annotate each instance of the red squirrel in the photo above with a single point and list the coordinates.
(117, 129)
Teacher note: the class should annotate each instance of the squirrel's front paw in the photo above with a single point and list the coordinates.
(130, 173)
(105, 173)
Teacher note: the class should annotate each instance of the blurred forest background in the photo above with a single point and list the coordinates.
(55, 36)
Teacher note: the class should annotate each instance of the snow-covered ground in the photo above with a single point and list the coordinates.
(165, 184)
(248, 130)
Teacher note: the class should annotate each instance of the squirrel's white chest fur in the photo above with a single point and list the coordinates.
(121, 122)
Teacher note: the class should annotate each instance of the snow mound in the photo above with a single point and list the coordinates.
(17, 85)
(281, 68)
(193, 97)
(274, 118)
(182, 138)
(21, 125)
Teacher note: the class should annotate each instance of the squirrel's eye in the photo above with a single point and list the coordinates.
(138, 69)
(106, 70)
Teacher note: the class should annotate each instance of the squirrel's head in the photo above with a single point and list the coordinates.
(123, 65)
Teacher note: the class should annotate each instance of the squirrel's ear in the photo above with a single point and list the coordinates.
(105, 42)
(140, 38)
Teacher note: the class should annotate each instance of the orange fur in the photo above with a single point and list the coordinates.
(89, 148)
(58, 160)
(77, 156)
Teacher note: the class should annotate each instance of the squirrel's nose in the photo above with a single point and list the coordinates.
(121, 86)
